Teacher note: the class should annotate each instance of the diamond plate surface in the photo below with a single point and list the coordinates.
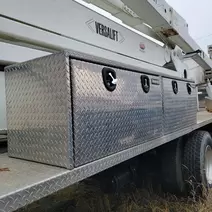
(179, 109)
(39, 110)
(32, 136)
(108, 122)
(113, 63)
(40, 116)
(43, 180)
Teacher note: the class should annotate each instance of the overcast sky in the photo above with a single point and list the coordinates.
(198, 15)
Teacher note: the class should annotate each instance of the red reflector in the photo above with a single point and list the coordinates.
(142, 46)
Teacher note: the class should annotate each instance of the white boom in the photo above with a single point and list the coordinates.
(164, 21)
(56, 28)
(85, 30)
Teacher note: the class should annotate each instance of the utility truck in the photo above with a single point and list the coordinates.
(82, 94)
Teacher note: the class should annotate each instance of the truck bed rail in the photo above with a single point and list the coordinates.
(24, 182)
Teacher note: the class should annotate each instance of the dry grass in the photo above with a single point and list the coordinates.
(89, 198)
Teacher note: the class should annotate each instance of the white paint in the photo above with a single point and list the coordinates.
(74, 22)
(194, 71)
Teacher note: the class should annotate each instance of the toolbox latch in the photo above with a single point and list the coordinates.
(109, 78)
(145, 83)
(175, 86)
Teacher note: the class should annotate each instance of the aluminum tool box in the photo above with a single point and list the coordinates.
(179, 103)
(106, 122)
(61, 110)
(69, 109)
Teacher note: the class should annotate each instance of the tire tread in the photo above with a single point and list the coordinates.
(192, 161)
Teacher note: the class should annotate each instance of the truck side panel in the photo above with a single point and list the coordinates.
(38, 111)
(106, 122)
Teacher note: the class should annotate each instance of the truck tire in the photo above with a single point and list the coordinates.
(198, 163)
(171, 167)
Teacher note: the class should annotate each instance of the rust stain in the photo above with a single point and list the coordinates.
(4, 170)
(169, 32)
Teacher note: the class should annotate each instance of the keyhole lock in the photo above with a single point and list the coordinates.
(109, 79)
(175, 87)
(145, 83)
(188, 85)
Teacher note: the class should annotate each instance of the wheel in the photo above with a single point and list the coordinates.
(198, 163)
(171, 156)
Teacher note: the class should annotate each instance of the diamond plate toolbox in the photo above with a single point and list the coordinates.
(180, 105)
(67, 109)
(107, 122)
(39, 111)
